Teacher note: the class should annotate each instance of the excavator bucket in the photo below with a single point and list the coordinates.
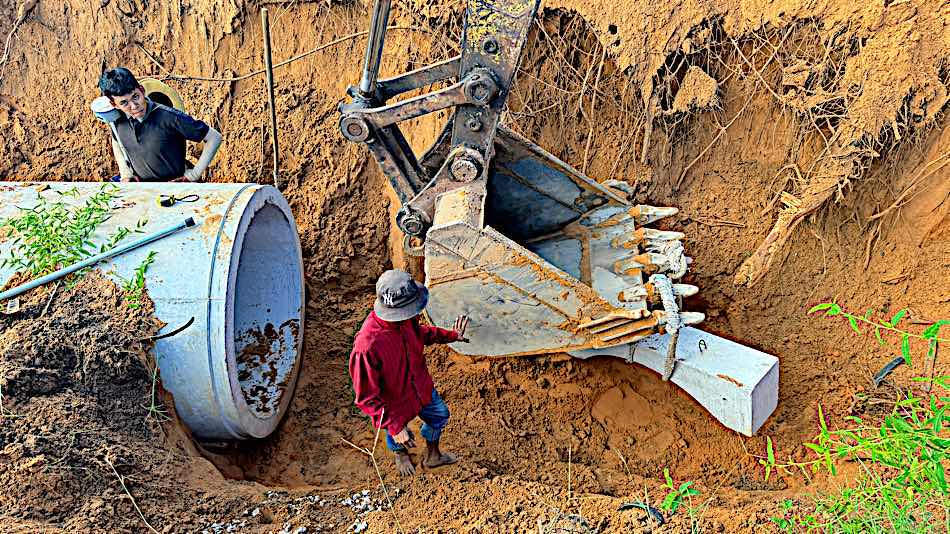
(544, 259)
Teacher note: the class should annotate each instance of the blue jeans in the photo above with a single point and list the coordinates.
(434, 415)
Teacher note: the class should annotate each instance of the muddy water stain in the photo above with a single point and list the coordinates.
(265, 358)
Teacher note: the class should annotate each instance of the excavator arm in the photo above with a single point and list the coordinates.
(541, 257)
(494, 36)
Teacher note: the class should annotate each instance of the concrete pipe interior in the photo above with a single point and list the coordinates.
(267, 305)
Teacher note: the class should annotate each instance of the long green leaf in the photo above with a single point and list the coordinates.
(905, 348)
(897, 317)
(932, 331)
(877, 334)
(854, 324)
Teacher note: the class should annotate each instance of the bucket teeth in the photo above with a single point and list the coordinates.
(649, 214)
(630, 266)
(640, 214)
(680, 290)
(617, 329)
(685, 290)
(686, 318)
(690, 318)
(633, 294)
(649, 235)
(649, 262)
(617, 318)
(662, 235)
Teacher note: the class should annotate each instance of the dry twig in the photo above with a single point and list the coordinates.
(131, 498)
(906, 195)
(22, 13)
(722, 129)
(379, 474)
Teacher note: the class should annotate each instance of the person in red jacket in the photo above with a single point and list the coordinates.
(390, 378)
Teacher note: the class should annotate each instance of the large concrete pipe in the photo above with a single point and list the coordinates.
(238, 274)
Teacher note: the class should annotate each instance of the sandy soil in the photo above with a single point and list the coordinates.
(805, 121)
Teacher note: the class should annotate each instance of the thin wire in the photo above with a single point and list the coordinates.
(170, 76)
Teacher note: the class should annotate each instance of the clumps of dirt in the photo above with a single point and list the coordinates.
(73, 381)
(87, 345)
(699, 91)
(73, 415)
(69, 378)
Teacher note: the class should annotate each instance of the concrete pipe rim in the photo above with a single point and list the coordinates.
(255, 373)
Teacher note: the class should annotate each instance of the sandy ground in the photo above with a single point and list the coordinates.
(779, 130)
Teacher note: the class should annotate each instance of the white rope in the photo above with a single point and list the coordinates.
(676, 261)
(664, 286)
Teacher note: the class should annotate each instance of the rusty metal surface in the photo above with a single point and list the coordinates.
(380, 117)
(395, 159)
(493, 38)
(510, 222)
(390, 87)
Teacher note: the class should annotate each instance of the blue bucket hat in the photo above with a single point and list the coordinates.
(399, 297)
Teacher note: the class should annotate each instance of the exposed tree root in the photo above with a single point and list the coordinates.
(22, 13)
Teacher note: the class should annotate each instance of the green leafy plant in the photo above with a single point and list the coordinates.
(676, 495)
(901, 484)
(792, 522)
(121, 233)
(134, 288)
(881, 328)
(54, 234)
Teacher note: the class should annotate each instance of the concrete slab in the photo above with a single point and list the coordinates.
(738, 385)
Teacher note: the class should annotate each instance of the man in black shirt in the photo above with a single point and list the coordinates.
(151, 137)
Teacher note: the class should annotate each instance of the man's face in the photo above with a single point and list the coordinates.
(132, 104)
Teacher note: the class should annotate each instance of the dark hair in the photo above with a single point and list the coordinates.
(117, 82)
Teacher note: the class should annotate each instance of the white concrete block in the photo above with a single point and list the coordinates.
(738, 385)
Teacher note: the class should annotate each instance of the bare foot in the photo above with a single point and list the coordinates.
(445, 458)
(404, 464)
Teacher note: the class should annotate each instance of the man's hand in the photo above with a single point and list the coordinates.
(461, 323)
(404, 438)
(180, 179)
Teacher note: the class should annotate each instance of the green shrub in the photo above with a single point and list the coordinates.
(902, 457)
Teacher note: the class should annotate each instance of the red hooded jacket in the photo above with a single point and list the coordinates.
(389, 370)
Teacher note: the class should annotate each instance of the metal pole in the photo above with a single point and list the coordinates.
(268, 65)
(374, 46)
(89, 262)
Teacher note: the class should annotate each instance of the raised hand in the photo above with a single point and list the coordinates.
(461, 323)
